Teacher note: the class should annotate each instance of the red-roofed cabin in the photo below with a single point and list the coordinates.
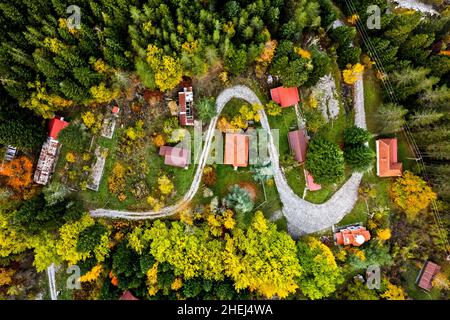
(127, 295)
(298, 144)
(186, 102)
(285, 97)
(426, 275)
(310, 184)
(115, 110)
(55, 126)
(353, 235)
(387, 165)
(236, 150)
(174, 156)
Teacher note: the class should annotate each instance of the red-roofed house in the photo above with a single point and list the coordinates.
(352, 235)
(285, 97)
(236, 150)
(49, 152)
(298, 144)
(310, 184)
(127, 295)
(186, 102)
(387, 165)
(426, 275)
(175, 157)
(115, 110)
(55, 126)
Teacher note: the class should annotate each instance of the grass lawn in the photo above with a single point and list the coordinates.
(60, 282)
(284, 123)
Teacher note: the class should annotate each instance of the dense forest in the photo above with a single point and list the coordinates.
(48, 68)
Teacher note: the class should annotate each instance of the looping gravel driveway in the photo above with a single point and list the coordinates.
(303, 217)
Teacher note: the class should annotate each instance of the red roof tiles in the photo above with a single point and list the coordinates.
(427, 274)
(387, 165)
(285, 97)
(353, 235)
(236, 149)
(55, 126)
(174, 156)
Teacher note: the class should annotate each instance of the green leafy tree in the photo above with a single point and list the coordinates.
(236, 61)
(360, 158)
(325, 161)
(390, 118)
(356, 136)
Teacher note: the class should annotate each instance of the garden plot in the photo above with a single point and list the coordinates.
(97, 169)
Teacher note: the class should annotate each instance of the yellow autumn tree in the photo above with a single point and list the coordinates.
(165, 185)
(302, 53)
(262, 259)
(92, 274)
(167, 69)
(192, 254)
(102, 94)
(384, 234)
(412, 194)
(393, 292)
(352, 73)
(43, 103)
(321, 275)
(265, 58)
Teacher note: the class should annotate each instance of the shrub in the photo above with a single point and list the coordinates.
(239, 199)
(325, 161)
(356, 136)
(206, 108)
(360, 158)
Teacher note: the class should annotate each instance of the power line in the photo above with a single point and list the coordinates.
(408, 134)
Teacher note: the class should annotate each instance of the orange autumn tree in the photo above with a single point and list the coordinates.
(18, 173)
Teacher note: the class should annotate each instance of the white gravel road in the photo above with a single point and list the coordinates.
(303, 217)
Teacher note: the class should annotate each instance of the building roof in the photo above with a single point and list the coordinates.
(186, 102)
(353, 235)
(127, 295)
(285, 97)
(236, 149)
(115, 109)
(310, 184)
(427, 274)
(55, 126)
(298, 144)
(47, 161)
(387, 165)
(174, 156)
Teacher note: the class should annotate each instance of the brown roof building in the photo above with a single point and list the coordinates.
(387, 165)
(175, 157)
(236, 150)
(426, 275)
(298, 144)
